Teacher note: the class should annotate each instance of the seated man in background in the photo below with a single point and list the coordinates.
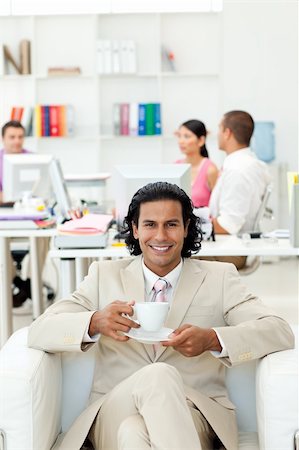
(242, 182)
(13, 135)
(169, 396)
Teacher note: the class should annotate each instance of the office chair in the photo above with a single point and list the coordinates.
(21, 286)
(24, 286)
(264, 211)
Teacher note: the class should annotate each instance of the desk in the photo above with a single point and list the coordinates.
(5, 276)
(73, 268)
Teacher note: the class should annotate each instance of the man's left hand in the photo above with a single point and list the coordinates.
(193, 341)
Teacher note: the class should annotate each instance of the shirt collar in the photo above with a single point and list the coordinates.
(237, 154)
(150, 277)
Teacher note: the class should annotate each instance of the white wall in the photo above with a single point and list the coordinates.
(260, 71)
(255, 49)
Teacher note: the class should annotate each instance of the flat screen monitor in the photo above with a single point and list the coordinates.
(23, 173)
(60, 189)
(129, 178)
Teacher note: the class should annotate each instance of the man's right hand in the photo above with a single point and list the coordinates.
(110, 320)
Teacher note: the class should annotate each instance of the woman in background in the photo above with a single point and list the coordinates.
(192, 139)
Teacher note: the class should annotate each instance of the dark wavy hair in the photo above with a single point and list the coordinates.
(199, 129)
(162, 190)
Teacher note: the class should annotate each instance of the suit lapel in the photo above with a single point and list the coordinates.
(189, 282)
(133, 282)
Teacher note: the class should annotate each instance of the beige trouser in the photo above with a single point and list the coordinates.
(238, 261)
(149, 410)
(42, 251)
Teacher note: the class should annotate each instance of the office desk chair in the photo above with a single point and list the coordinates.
(21, 288)
(24, 286)
(264, 211)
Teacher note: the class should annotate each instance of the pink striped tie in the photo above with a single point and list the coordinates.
(160, 290)
(159, 296)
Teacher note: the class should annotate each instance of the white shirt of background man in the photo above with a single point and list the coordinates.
(238, 193)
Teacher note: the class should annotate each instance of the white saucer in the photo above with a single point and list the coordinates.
(149, 337)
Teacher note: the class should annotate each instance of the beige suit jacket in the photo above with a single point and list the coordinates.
(208, 294)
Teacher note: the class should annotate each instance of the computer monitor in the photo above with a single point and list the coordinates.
(129, 178)
(26, 173)
(60, 189)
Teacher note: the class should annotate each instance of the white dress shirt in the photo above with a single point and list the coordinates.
(150, 279)
(237, 195)
(172, 277)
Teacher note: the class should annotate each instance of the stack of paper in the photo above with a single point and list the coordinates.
(88, 224)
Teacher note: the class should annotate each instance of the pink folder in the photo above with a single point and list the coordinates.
(88, 224)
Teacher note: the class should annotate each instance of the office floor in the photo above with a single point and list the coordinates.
(275, 282)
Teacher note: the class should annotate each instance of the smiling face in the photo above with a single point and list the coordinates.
(161, 234)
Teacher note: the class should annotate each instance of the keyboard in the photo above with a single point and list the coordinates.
(11, 214)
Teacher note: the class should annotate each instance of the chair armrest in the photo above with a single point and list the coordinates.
(277, 400)
(30, 395)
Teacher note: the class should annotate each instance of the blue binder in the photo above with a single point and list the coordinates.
(141, 119)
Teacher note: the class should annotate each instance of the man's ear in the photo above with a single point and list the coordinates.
(135, 231)
(227, 133)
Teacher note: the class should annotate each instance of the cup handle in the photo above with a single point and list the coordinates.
(129, 317)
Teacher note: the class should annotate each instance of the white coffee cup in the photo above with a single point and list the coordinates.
(151, 315)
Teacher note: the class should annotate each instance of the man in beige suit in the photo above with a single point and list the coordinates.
(172, 395)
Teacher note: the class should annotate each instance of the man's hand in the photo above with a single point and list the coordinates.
(193, 341)
(110, 320)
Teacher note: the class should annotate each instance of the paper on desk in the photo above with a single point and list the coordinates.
(280, 234)
(88, 224)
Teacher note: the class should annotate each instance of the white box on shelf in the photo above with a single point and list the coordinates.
(124, 56)
(115, 57)
(99, 57)
(131, 49)
(107, 56)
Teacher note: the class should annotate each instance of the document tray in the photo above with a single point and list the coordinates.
(86, 241)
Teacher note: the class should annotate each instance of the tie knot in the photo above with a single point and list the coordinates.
(161, 285)
(160, 290)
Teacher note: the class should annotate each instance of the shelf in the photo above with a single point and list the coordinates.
(32, 77)
(106, 137)
(191, 91)
(126, 75)
(157, 74)
(59, 138)
(60, 77)
(17, 77)
(187, 74)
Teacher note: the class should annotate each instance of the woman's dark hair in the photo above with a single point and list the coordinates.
(197, 127)
(163, 191)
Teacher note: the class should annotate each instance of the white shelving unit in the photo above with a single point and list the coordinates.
(70, 40)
